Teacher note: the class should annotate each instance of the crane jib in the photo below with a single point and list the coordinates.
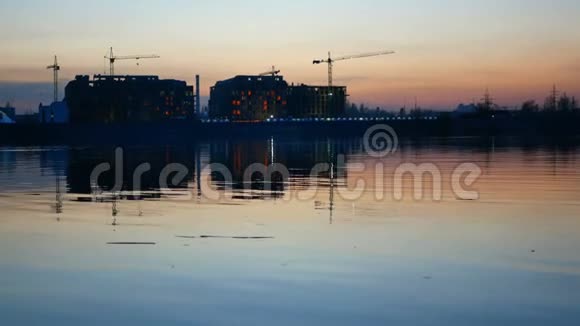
(330, 60)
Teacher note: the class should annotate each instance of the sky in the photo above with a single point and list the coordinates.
(447, 51)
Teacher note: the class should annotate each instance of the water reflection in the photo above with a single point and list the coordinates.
(82, 163)
(514, 251)
(236, 156)
(36, 169)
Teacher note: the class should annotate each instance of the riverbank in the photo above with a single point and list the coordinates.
(185, 131)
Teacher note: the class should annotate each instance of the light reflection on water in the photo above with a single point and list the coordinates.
(508, 258)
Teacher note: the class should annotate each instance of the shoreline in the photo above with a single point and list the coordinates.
(185, 131)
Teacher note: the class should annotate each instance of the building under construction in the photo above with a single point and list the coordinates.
(252, 98)
(249, 98)
(316, 101)
(113, 99)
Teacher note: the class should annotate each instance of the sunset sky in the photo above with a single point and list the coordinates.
(448, 51)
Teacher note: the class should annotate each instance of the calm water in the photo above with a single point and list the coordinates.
(295, 249)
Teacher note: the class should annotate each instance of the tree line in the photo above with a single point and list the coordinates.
(554, 103)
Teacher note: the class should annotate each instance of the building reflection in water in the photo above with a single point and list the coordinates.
(148, 185)
(236, 155)
(65, 172)
(297, 157)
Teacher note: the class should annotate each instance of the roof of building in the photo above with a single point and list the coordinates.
(244, 79)
(317, 86)
(97, 79)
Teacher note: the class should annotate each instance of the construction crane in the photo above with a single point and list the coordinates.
(112, 58)
(331, 61)
(272, 72)
(55, 68)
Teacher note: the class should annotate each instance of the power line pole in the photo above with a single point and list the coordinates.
(554, 97)
(487, 101)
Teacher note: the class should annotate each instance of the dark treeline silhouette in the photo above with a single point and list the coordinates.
(559, 115)
(554, 105)
(354, 110)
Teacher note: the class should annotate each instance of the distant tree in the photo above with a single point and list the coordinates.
(416, 113)
(362, 109)
(402, 112)
(355, 107)
(352, 110)
(551, 102)
(565, 103)
(530, 106)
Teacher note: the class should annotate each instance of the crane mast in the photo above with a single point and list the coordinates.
(112, 58)
(55, 68)
(330, 61)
